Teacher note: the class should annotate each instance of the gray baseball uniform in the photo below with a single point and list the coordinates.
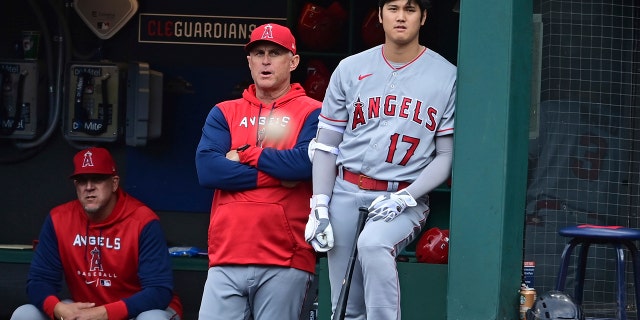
(391, 115)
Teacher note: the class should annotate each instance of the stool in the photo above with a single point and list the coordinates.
(617, 236)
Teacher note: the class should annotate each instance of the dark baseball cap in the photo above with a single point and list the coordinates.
(93, 161)
(275, 33)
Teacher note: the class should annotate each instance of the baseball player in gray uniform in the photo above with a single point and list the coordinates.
(384, 141)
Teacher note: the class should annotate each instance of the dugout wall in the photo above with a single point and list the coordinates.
(489, 174)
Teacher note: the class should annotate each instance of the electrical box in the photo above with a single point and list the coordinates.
(94, 102)
(144, 104)
(19, 101)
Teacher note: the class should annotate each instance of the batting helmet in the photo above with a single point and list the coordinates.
(555, 305)
(372, 31)
(433, 246)
(318, 26)
(317, 79)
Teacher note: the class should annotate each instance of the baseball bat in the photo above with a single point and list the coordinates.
(341, 305)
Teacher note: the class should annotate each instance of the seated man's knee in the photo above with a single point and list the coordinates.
(28, 312)
(168, 314)
(373, 251)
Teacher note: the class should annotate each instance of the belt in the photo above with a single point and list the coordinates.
(367, 183)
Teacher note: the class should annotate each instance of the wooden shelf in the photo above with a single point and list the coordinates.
(178, 263)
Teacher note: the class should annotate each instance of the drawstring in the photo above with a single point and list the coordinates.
(258, 130)
(261, 133)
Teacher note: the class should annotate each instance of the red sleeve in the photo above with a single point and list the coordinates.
(49, 304)
(117, 310)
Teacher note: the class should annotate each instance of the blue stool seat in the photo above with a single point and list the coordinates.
(616, 236)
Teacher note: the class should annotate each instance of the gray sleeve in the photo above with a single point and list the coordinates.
(436, 172)
(324, 163)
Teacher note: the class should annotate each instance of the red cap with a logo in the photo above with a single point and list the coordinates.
(93, 161)
(275, 33)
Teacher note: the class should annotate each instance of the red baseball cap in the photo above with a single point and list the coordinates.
(275, 33)
(93, 161)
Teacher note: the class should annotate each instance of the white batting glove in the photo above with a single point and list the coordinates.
(318, 231)
(389, 206)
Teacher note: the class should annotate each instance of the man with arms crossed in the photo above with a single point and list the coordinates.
(253, 152)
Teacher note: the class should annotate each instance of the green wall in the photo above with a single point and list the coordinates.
(490, 159)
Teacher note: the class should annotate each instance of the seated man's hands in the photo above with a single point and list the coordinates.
(318, 231)
(389, 206)
(79, 310)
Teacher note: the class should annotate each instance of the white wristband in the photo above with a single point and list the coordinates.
(321, 200)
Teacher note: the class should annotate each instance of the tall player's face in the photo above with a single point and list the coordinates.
(97, 194)
(401, 20)
(271, 66)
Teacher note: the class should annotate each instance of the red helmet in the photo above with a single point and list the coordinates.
(318, 27)
(433, 246)
(372, 31)
(317, 79)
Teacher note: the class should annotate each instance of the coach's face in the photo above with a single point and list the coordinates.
(97, 194)
(271, 66)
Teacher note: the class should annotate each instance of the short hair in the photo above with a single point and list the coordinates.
(422, 4)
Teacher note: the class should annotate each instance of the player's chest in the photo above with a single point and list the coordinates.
(394, 86)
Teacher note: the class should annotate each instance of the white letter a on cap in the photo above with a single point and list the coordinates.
(88, 160)
(268, 32)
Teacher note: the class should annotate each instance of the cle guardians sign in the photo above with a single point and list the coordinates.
(198, 30)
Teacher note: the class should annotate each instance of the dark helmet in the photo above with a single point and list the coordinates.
(555, 305)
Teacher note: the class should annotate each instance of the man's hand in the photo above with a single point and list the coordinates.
(389, 206)
(318, 231)
(95, 313)
(233, 156)
(73, 310)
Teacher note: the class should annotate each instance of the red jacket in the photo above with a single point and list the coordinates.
(122, 263)
(255, 220)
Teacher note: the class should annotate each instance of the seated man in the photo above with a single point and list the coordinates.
(107, 246)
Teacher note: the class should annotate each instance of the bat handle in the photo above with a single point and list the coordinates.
(341, 305)
(363, 213)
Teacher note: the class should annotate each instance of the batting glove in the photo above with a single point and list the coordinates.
(318, 231)
(389, 206)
